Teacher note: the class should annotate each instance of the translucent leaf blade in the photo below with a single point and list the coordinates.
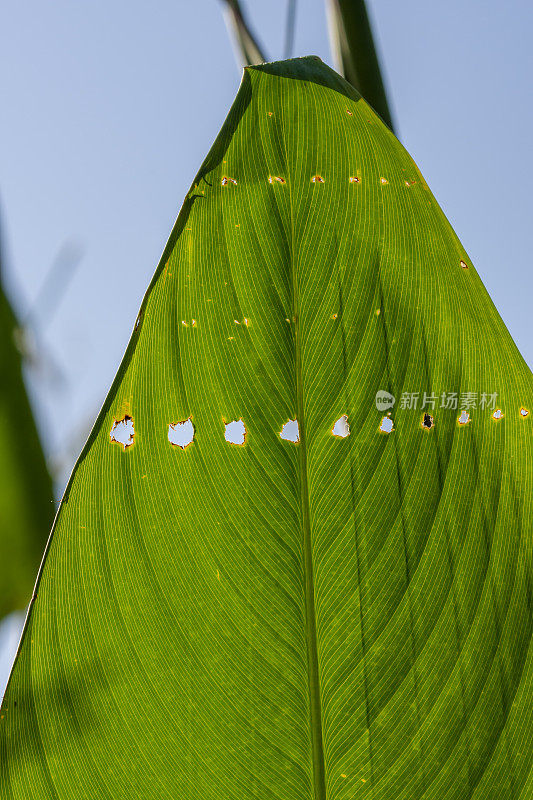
(293, 617)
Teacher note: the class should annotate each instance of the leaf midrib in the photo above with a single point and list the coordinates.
(315, 708)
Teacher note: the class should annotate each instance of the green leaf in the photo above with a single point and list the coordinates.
(346, 616)
(355, 53)
(249, 51)
(26, 498)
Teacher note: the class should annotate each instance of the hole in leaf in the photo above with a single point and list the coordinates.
(290, 431)
(463, 264)
(383, 181)
(181, 434)
(275, 179)
(524, 412)
(341, 427)
(498, 414)
(427, 422)
(354, 179)
(349, 112)
(317, 179)
(463, 418)
(123, 432)
(387, 425)
(235, 432)
(225, 181)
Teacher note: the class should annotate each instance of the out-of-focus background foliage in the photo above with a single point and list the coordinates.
(109, 108)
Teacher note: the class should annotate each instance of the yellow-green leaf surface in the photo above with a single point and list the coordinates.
(26, 498)
(346, 616)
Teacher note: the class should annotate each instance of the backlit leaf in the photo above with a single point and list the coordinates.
(315, 615)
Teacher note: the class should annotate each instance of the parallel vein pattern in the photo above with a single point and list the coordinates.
(328, 619)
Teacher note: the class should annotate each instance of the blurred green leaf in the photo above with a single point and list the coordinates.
(355, 53)
(248, 49)
(345, 616)
(26, 497)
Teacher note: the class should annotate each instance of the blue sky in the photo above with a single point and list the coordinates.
(110, 107)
